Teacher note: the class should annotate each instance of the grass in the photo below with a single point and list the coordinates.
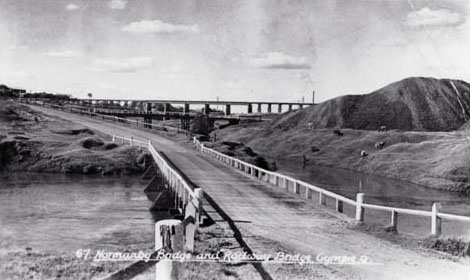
(434, 159)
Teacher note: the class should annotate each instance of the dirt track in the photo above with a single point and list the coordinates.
(260, 210)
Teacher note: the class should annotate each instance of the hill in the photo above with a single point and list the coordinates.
(437, 159)
(420, 104)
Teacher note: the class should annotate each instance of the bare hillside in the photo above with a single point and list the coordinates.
(423, 104)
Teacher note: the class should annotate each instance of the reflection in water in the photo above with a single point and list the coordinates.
(388, 192)
(58, 212)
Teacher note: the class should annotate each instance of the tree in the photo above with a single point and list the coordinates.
(90, 95)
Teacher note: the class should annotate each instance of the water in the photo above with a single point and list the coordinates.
(389, 192)
(58, 212)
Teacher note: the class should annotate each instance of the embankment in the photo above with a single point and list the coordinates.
(31, 141)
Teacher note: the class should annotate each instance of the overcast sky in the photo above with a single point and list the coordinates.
(277, 50)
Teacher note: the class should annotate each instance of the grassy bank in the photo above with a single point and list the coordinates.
(31, 141)
(434, 159)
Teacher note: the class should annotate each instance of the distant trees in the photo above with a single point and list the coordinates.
(90, 95)
(201, 124)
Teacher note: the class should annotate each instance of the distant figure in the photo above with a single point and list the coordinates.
(379, 145)
(364, 154)
(337, 132)
(305, 161)
(383, 128)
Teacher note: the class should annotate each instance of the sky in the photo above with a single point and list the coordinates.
(259, 50)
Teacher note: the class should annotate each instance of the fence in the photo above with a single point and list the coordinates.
(295, 186)
(137, 123)
(173, 234)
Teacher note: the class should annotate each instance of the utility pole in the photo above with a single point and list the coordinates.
(313, 97)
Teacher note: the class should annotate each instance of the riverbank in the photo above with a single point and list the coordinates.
(35, 142)
(433, 159)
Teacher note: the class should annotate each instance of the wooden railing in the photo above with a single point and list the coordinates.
(137, 123)
(175, 235)
(293, 185)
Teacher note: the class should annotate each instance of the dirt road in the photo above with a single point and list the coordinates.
(260, 210)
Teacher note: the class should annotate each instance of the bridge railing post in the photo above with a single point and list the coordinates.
(168, 234)
(359, 207)
(199, 194)
(114, 137)
(131, 141)
(435, 219)
(321, 198)
(394, 220)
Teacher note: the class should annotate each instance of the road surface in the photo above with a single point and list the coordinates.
(259, 209)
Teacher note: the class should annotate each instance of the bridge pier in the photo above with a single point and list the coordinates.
(259, 107)
(206, 109)
(186, 108)
(227, 109)
(289, 108)
(269, 107)
(185, 123)
(250, 108)
(166, 110)
(147, 122)
(279, 109)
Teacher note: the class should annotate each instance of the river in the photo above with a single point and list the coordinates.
(383, 191)
(63, 212)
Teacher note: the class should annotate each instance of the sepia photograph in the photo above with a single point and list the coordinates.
(235, 139)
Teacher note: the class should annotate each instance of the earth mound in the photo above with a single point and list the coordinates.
(419, 104)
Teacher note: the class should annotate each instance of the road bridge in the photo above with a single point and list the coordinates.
(275, 207)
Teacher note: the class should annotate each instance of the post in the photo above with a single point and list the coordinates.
(394, 220)
(284, 181)
(168, 233)
(199, 194)
(359, 208)
(131, 142)
(435, 219)
(114, 137)
(321, 199)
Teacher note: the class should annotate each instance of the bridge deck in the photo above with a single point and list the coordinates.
(262, 210)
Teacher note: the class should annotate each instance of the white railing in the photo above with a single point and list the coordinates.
(137, 123)
(187, 199)
(289, 183)
(173, 235)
